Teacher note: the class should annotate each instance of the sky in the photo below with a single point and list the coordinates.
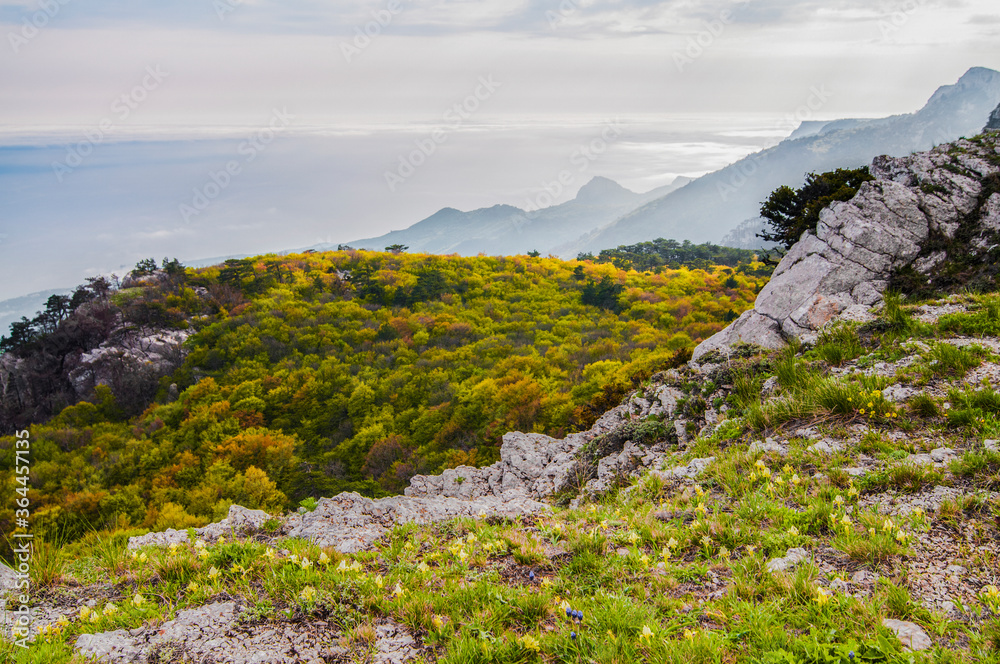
(204, 128)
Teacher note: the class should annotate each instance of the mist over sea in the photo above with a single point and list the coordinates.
(75, 206)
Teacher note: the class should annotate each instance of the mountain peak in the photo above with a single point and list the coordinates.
(600, 188)
(975, 79)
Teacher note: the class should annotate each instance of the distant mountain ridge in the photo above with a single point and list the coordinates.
(505, 229)
(717, 207)
(712, 205)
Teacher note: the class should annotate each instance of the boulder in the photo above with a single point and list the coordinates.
(842, 269)
(690, 471)
(350, 522)
(792, 558)
(909, 634)
(240, 521)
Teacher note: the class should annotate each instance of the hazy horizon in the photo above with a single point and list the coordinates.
(116, 115)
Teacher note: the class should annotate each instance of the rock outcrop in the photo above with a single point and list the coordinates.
(350, 522)
(239, 521)
(902, 220)
(531, 465)
(157, 353)
(215, 633)
(994, 122)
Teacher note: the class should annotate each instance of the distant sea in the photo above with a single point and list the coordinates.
(77, 203)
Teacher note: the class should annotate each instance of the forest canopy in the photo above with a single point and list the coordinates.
(317, 373)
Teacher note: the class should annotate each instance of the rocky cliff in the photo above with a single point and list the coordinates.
(994, 122)
(922, 214)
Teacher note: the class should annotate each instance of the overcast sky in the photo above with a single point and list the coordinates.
(698, 83)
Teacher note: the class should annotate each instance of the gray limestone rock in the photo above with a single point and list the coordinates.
(689, 471)
(792, 558)
(993, 124)
(8, 580)
(827, 446)
(898, 393)
(909, 634)
(842, 269)
(768, 445)
(240, 521)
(350, 522)
(213, 633)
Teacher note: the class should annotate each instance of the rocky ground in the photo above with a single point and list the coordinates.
(681, 491)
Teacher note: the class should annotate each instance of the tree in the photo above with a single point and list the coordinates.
(533, 254)
(144, 267)
(173, 267)
(396, 248)
(791, 212)
(604, 294)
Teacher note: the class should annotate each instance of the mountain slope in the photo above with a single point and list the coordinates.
(711, 206)
(504, 229)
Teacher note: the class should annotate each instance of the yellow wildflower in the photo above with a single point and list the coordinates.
(324, 559)
(822, 596)
(793, 531)
(307, 594)
(529, 642)
(138, 600)
(214, 573)
(647, 633)
(437, 622)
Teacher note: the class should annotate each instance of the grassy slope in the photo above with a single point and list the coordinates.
(665, 572)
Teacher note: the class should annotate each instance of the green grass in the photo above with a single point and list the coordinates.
(948, 360)
(839, 344)
(985, 321)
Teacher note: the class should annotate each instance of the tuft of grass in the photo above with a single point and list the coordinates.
(924, 405)
(747, 386)
(981, 323)
(839, 344)
(949, 360)
(906, 477)
(48, 563)
(982, 466)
